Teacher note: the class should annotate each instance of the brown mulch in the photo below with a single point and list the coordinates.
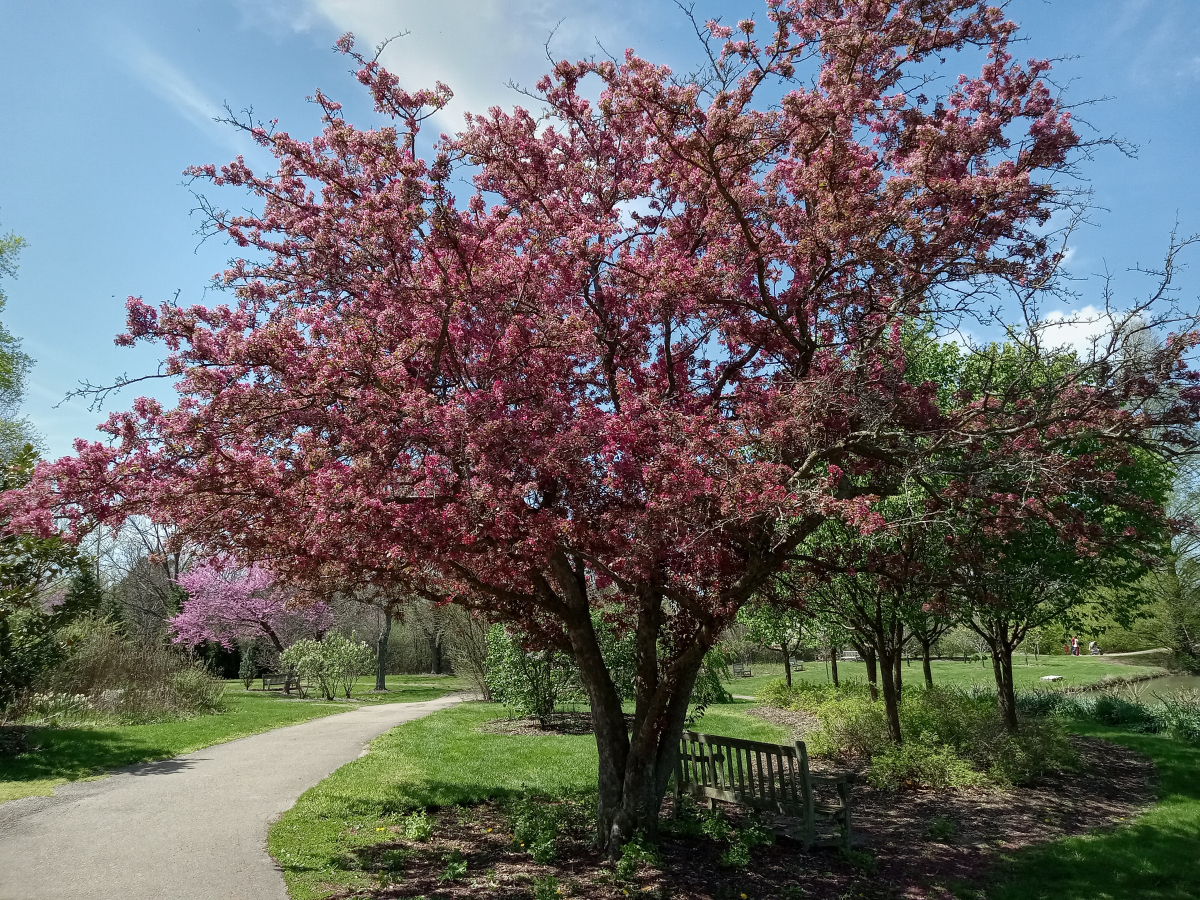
(556, 723)
(896, 856)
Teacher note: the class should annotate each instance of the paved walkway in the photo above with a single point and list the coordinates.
(189, 828)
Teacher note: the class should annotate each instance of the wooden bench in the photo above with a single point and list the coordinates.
(272, 681)
(769, 777)
(741, 670)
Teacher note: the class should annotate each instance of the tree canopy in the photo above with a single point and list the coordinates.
(658, 346)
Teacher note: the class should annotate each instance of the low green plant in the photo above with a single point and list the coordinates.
(418, 826)
(546, 888)
(742, 841)
(941, 829)
(636, 852)
(456, 867)
(535, 828)
(793, 892)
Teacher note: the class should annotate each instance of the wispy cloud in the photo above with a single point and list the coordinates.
(161, 77)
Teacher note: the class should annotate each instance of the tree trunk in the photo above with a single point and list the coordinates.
(833, 665)
(381, 649)
(635, 763)
(891, 691)
(435, 651)
(872, 671)
(1002, 665)
(925, 663)
(898, 674)
(787, 665)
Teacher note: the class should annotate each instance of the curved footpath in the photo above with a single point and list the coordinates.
(193, 827)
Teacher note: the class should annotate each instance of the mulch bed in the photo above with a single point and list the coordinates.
(556, 723)
(896, 856)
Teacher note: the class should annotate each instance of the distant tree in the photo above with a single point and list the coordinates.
(773, 625)
(226, 602)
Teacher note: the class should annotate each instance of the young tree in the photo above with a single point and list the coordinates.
(776, 627)
(653, 352)
(226, 603)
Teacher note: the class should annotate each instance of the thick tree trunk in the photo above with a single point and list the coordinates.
(381, 650)
(926, 663)
(787, 665)
(635, 764)
(833, 665)
(1002, 664)
(868, 654)
(891, 692)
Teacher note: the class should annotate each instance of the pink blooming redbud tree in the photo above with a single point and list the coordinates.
(655, 348)
(226, 602)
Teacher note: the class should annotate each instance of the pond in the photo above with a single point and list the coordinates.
(1165, 684)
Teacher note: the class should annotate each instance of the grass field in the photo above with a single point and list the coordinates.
(1155, 858)
(439, 760)
(71, 754)
(1076, 671)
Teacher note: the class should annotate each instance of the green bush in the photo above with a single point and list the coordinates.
(528, 682)
(807, 696)
(953, 738)
(331, 663)
(922, 762)
(28, 647)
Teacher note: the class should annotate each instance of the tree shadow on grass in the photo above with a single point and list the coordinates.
(1154, 858)
(74, 753)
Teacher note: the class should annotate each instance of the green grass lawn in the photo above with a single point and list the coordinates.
(1155, 858)
(74, 753)
(439, 760)
(1076, 671)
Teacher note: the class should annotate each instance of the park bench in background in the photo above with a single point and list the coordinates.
(741, 670)
(851, 656)
(272, 681)
(769, 777)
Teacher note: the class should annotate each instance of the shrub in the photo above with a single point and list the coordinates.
(332, 662)
(1178, 715)
(106, 678)
(953, 738)
(922, 762)
(529, 683)
(851, 728)
(1110, 709)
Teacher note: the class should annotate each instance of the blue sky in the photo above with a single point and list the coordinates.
(105, 102)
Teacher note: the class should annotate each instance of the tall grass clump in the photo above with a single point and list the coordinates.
(105, 678)
(1175, 714)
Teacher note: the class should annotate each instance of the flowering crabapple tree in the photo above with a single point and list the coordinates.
(655, 348)
(226, 602)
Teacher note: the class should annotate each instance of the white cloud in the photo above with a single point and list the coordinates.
(1078, 330)
(478, 46)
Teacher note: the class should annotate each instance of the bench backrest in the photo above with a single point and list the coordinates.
(770, 777)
